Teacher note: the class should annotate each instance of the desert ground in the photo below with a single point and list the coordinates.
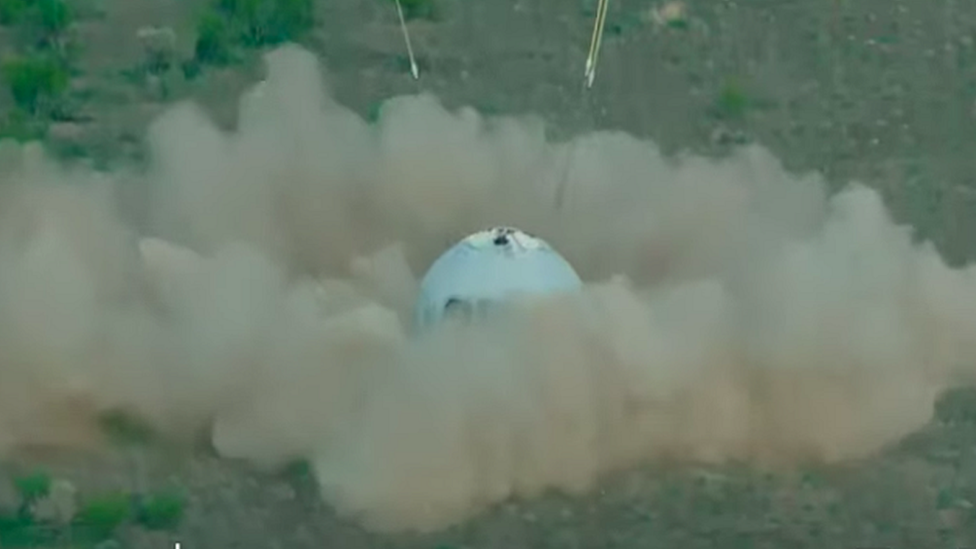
(882, 92)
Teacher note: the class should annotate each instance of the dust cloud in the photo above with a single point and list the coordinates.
(732, 310)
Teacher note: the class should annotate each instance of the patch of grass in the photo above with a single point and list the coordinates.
(35, 82)
(20, 126)
(33, 486)
(12, 12)
(20, 530)
(732, 101)
(101, 516)
(679, 23)
(162, 511)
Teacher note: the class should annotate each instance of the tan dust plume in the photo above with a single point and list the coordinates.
(732, 309)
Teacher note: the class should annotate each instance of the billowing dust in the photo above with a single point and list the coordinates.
(732, 310)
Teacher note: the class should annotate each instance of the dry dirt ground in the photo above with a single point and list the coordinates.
(879, 90)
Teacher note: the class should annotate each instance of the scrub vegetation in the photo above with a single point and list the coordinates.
(229, 27)
(48, 513)
(37, 75)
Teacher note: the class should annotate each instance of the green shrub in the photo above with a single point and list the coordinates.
(12, 11)
(33, 486)
(101, 516)
(213, 39)
(54, 16)
(679, 23)
(50, 17)
(161, 511)
(20, 126)
(732, 101)
(268, 22)
(34, 81)
(251, 24)
(20, 530)
(288, 20)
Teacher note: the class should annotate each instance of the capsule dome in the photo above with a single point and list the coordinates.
(489, 267)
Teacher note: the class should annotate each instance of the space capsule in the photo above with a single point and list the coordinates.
(487, 269)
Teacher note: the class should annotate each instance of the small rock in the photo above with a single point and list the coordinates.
(59, 505)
